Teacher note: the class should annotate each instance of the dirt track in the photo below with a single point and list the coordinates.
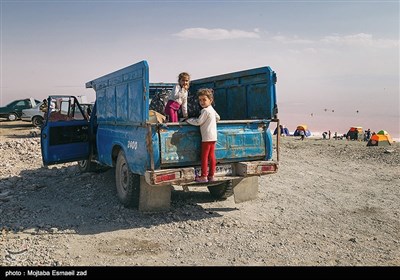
(331, 203)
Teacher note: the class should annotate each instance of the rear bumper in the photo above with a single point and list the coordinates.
(224, 172)
(252, 168)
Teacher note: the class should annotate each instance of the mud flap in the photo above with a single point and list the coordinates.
(245, 189)
(154, 198)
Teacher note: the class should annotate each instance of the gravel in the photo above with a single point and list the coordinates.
(332, 203)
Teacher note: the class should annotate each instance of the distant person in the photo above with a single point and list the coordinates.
(368, 134)
(88, 111)
(53, 105)
(43, 107)
(208, 127)
(177, 98)
(329, 134)
(302, 134)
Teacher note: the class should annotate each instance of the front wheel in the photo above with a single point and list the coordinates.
(37, 121)
(127, 183)
(86, 166)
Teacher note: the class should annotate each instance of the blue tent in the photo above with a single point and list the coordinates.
(302, 127)
(284, 130)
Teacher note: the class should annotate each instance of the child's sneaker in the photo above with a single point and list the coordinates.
(201, 180)
(211, 179)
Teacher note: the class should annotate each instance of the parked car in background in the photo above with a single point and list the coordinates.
(13, 110)
(34, 115)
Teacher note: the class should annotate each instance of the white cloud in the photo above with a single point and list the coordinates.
(360, 39)
(216, 34)
(291, 40)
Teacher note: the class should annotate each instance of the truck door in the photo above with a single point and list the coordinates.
(66, 133)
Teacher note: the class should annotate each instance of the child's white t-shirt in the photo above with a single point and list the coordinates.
(208, 124)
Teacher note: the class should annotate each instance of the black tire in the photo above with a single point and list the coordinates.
(12, 117)
(221, 191)
(86, 166)
(127, 183)
(37, 121)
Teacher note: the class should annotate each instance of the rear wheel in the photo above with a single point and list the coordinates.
(221, 191)
(37, 121)
(12, 117)
(127, 183)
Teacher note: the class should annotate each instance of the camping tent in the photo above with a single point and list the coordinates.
(382, 138)
(355, 133)
(302, 127)
(283, 129)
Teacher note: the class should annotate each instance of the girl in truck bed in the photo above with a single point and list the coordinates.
(208, 127)
(178, 98)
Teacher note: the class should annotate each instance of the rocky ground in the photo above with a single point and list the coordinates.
(332, 203)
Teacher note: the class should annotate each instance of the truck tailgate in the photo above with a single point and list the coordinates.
(237, 141)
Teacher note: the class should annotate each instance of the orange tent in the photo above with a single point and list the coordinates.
(302, 127)
(382, 138)
(355, 132)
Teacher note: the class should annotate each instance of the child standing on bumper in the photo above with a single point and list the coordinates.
(178, 98)
(208, 127)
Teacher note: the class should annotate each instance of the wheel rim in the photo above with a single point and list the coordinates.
(82, 163)
(37, 121)
(12, 117)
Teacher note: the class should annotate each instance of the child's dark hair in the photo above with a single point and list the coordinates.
(209, 92)
(183, 75)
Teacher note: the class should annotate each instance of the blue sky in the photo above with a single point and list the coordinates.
(342, 56)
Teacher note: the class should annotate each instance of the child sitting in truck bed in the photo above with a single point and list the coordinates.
(177, 98)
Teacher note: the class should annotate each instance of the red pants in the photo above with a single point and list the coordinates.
(208, 154)
(171, 110)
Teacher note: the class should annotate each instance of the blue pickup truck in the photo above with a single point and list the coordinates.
(150, 155)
